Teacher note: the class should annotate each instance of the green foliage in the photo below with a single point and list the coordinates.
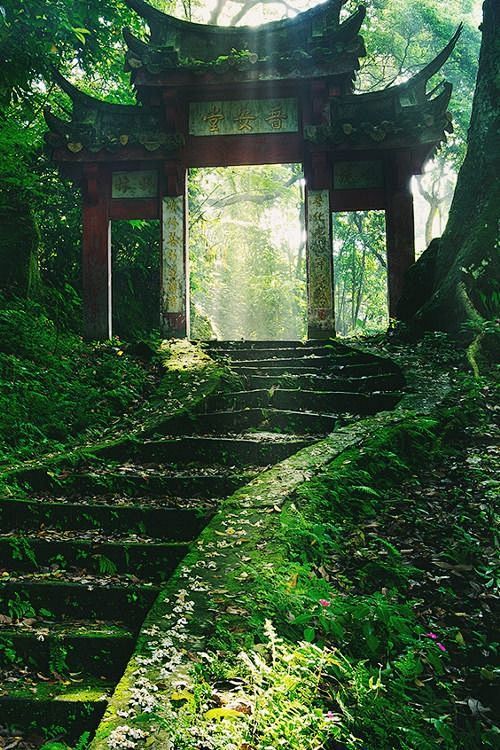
(57, 659)
(136, 277)
(360, 272)
(22, 549)
(53, 386)
(105, 565)
(19, 607)
(83, 742)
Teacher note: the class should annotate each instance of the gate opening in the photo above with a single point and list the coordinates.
(135, 253)
(247, 253)
(360, 272)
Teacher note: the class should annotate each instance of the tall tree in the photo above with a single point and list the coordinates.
(455, 285)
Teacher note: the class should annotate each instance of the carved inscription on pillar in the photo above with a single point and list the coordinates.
(173, 271)
(244, 117)
(321, 316)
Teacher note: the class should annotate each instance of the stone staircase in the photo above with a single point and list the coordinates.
(85, 551)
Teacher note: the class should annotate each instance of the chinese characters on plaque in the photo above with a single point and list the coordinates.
(243, 117)
(138, 184)
(355, 175)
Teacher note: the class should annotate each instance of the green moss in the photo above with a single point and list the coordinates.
(251, 578)
(90, 692)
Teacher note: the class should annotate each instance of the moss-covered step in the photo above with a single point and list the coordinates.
(327, 402)
(300, 368)
(98, 649)
(83, 596)
(241, 420)
(163, 523)
(146, 558)
(314, 361)
(73, 706)
(366, 384)
(258, 450)
(132, 480)
(333, 345)
(215, 346)
(295, 354)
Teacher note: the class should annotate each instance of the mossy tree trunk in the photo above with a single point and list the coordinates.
(454, 286)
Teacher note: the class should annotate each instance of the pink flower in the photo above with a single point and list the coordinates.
(434, 637)
(324, 602)
(330, 715)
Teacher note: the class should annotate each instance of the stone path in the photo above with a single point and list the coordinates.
(84, 554)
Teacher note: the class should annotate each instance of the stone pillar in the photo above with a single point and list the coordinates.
(96, 254)
(320, 290)
(174, 320)
(400, 232)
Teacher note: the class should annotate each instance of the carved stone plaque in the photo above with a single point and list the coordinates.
(138, 184)
(353, 175)
(244, 117)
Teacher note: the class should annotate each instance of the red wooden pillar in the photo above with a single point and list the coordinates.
(174, 316)
(320, 287)
(400, 230)
(96, 254)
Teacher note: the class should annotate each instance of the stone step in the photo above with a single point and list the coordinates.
(42, 704)
(216, 346)
(162, 523)
(96, 649)
(269, 420)
(313, 382)
(258, 450)
(63, 598)
(129, 480)
(325, 402)
(334, 345)
(146, 559)
(294, 354)
(347, 370)
(311, 361)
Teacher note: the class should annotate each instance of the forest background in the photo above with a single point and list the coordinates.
(247, 238)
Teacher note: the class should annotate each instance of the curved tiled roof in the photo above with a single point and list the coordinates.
(312, 41)
(401, 116)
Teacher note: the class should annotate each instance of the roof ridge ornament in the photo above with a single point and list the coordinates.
(435, 65)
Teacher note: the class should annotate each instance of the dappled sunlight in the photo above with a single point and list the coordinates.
(247, 252)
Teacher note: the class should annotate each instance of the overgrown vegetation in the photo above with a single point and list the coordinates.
(358, 616)
(380, 634)
(58, 392)
(369, 622)
(55, 389)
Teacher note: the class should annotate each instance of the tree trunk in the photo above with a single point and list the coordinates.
(454, 286)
